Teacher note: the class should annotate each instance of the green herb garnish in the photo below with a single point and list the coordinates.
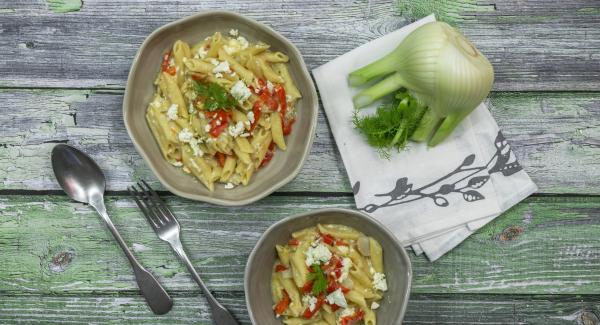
(393, 123)
(317, 276)
(215, 96)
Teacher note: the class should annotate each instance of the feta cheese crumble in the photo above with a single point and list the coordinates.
(379, 282)
(177, 163)
(223, 66)
(250, 116)
(374, 305)
(195, 148)
(207, 128)
(214, 61)
(229, 186)
(346, 265)
(270, 86)
(234, 32)
(243, 42)
(240, 91)
(237, 129)
(337, 298)
(172, 112)
(347, 312)
(185, 135)
(202, 52)
(315, 255)
(310, 301)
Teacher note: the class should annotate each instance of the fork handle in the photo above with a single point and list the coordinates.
(157, 298)
(178, 248)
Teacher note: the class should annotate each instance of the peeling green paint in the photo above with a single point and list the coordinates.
(63, 6)
(445, 10)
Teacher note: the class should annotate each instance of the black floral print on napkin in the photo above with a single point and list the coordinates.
(470, 177)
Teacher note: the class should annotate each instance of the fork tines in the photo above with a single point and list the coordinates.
(151, 205)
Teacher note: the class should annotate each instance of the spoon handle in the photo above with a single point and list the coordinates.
(157, 298)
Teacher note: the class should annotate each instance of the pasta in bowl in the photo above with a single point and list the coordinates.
(325, 267)
(328, 274)
(221, 108)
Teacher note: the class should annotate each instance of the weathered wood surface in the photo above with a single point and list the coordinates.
(544, 245)
(533, 44)
(553, 135)
(537, 264)
(422, 309)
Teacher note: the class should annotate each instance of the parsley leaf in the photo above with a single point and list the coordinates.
(319, 280)
(215, 96)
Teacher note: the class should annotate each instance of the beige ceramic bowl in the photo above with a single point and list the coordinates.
(257, 277)
(284, 166)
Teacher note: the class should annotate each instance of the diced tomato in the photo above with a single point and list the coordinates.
(256, 110)
(280, 268)
(328, 239)
(308, 313)
(293, 242)
(220, 158)
(287, 125)
(269, 155)
(341, 242)
(219, 120)
(280, 93)
(165, 64)
(283, 304)
(307, 287)
(353, 319)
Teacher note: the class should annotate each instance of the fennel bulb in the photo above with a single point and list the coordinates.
(440, 68)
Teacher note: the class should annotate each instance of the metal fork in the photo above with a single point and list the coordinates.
(167, 228)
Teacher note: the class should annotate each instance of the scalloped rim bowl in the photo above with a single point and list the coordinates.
(140, 89)
(257, 277)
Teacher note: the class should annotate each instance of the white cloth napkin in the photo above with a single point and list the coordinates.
(431, 198)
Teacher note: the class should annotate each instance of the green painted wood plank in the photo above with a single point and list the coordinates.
(553, 135)
(545, 245)
(422, 309)
(533, 44)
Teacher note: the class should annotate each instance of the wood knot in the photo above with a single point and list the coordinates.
(510, 233)
(589, 318)
(60, 261)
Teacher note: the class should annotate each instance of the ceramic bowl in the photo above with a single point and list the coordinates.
(257, 277)
(140, 88)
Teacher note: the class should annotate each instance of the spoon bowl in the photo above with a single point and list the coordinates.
(78, 174)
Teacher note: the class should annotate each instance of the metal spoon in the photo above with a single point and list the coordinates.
(83, 181)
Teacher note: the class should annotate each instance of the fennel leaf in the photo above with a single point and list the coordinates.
(319, 280)
(215, 96)
(393, 123)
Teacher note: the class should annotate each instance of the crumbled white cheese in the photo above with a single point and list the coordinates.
(240, 91)
(237, 129)
(379, 282)
(243, 42)
(234, 32)
(233, 74)
(172, 112)
(195, 148)
(315, 255)
(214, 61)
(288, 98)
(245, 135)
(346, 265)
(185, 135)
(223, 66)
(229, 186)
(207, 128)
(177, 163)
(374, 305)
(347, 312)
(191, 109)
(310, 301)
(218, 75)
(202, 52)
(250, 116)
(270, 86)
(218, 122)
(337, 298)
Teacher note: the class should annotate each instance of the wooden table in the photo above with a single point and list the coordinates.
(63, 71)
